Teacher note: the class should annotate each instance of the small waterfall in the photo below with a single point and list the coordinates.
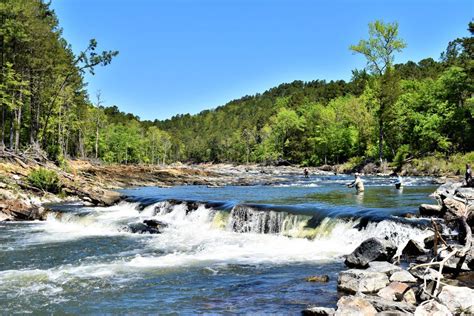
(245, 219)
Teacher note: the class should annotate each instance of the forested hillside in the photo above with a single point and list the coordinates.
(411, 109)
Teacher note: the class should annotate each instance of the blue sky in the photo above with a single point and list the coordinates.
(184, 56)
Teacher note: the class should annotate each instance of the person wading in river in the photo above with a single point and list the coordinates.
(398, 181)
(468, 176)
(357, 183)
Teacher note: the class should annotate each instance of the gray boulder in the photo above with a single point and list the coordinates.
(355, 280)
(431, 308)
(373, 249)
(402, 276)
(457, 299)
(354, 306)
(383, 267)
(381, 305)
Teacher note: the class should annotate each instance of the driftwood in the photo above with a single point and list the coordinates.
(457, 212)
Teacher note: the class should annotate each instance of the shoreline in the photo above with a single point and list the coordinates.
(96, 183)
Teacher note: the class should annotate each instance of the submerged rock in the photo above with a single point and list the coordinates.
(373, 249)
(457, 299)
(363, 281)
(318, 278)
(354, 306)
(432, 308)
(318, 311)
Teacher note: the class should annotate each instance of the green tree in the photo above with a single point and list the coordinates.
(379, 51)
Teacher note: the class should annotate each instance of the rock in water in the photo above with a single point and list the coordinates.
(356, 280)
(457, 299)
(430, 210)
(149, 226)
(18, 210)
(318, 278)
(413, 249)
(432, 308)
(354, 306)
(319, 311)
(373, 249)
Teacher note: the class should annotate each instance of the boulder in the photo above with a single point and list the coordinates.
(363, 281)
(150, 226)
(18, 210)
(432, 308)
(383, 267)
(430, 240)
(451, 265)
(457, 299)
(354, 306)
(381, 305)
(402, 276)
(422, 273)
(318, 311)
(465, 193)
(373, 249)
(430, 210)
(413, 249)
(394, 291)
(318, 278)
(393, 313)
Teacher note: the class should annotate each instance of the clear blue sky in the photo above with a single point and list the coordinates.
(184, 56)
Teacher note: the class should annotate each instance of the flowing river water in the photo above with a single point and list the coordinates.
(224, 249)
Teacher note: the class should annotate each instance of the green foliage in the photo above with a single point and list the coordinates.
(402, 154)
(379, 48)
(46, 180)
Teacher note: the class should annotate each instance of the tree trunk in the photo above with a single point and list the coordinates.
(381, 142)
(18, 128)
(97, 140)
(2, 140)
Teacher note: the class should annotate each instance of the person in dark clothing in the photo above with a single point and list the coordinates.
(468, 176)
(306, 173)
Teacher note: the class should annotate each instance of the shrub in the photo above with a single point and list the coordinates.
(46, 180)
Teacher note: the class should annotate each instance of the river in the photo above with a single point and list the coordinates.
(232, 249)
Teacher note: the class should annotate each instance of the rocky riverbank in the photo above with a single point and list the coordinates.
(436, 278)
(94, 183)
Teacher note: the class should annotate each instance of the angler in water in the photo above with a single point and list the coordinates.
(398, 181)
(357, 183)
(306, 173)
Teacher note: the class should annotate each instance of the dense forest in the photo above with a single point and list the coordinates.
(385, 112)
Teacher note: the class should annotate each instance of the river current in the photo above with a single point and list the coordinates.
(224, 250)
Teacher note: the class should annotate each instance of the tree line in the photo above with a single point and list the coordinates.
(386, 111)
